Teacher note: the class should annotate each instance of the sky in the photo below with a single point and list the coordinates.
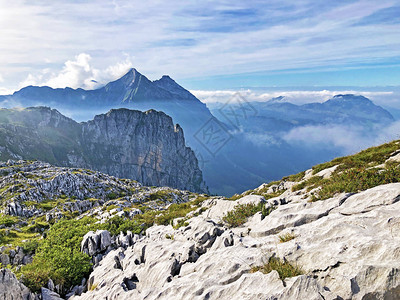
(204, 45)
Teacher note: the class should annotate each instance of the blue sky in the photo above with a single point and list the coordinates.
(202, 44)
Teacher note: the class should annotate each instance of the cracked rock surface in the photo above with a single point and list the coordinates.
(348, 247)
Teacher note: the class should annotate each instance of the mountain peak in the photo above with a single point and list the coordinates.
(278, 99)
(349, 97)
(166, 78)
(131, 74)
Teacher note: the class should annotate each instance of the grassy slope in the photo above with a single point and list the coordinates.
(354, 173)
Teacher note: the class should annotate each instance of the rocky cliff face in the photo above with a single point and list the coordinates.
(145, 146)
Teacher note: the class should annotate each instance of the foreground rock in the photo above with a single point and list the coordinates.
(348, 248)
(11, 288)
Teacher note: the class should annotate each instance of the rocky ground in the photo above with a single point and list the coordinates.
(298, 238)
(348, 248)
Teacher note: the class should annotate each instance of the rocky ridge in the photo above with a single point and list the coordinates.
(144, 146)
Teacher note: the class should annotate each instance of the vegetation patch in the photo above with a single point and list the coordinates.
(241, 212)
(7, 220)
(369, 157)
(169, 236)
(161, 195)
(356, 180)
(310, 183)
(282, 266)
(15, 237)
(286, 237)
(58, 255)
(295, 177)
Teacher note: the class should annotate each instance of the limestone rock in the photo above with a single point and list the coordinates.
(11, 288)
(49, 295)
(348, 248)
(96, 242)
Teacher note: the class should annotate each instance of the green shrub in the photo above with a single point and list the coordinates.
(286, 237)
(310, 183)
(371, 156)
(265, 211)
(7, 220)
(30, 246)
(295, 177)
(160, 195)
(59, 257)
(283, 267)
(111, 207)
(238, 216)
(112, 196)
(273, 195)
(174, 211)
(37, 274)
(37, 227)
(355, 180)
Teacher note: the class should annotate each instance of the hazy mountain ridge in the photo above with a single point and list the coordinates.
(132, 87)
(145, 146)
(266, 145)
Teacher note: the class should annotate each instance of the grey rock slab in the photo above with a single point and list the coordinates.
(50, 295)
(11, 288)
(368, 200)
(293, 215)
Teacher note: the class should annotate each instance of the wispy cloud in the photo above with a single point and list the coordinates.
(349, 139)
(194, 38)
(297, 97)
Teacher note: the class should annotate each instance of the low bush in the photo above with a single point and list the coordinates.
(7, 220)
(310, 183)
(295, 177)
(368, 157)
(286, 237)
(282, 266)
(239, 215)
(356, 180)
(59, 257)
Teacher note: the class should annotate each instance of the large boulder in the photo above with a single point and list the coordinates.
(96, 242)
(11, 288)
(50, 295)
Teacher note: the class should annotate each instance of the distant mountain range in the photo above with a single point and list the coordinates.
(238, 145)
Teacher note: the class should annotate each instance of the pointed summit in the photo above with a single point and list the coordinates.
(128, 79)
(168, 84)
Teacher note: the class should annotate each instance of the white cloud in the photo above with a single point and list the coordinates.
(298, 97)
(1, 78)
(350, 139)
(79, 73)
(306, 35)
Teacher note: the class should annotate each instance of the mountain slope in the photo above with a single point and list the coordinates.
(130, 144)
(329, 232)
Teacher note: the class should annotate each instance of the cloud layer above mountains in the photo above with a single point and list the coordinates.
(297, 96)
(193, 38)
